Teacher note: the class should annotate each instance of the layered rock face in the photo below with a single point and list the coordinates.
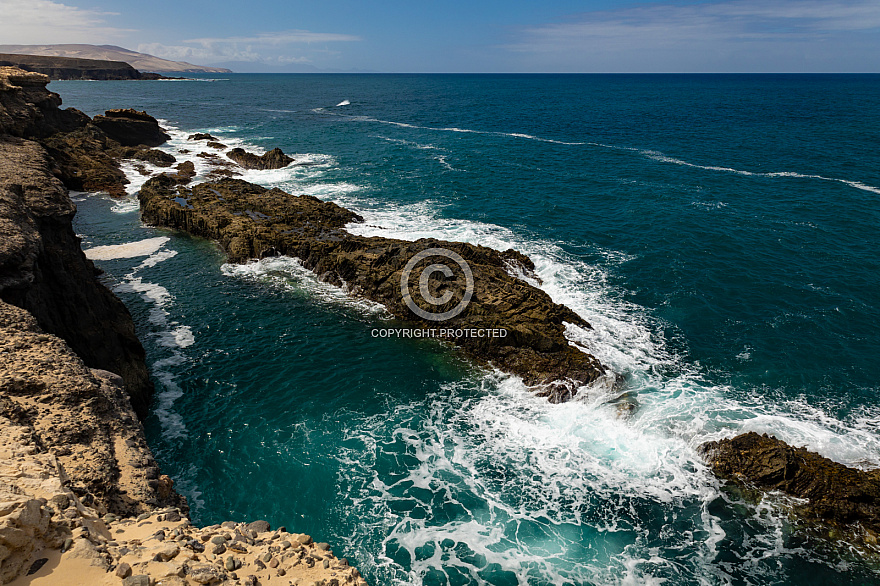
(835, 493)
(72, 68)
(250, 221)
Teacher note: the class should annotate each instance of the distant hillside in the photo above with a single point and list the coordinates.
(140, 61)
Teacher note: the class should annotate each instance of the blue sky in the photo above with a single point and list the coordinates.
(469, 36)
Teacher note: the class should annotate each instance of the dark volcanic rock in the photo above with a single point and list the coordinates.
(836, 493)
(155, 156)
(274, 159)
(201, 136)
(250, 221)
(28, 109)
(85, 160)
(185, 172)
(131, 127)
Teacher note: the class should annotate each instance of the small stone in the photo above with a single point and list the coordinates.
(282, 571)
(123, 570)
(326, 564)
(172, 517)
(273, 563)
(68, 543)
(323, 546)
(266, 557)
(250, 581)
(258, 526)
(219, 540)
(139, 580)
(218, 549)
(285, 544)
(230, 563)
(343, 562)
(203, 574)
(143, 517)
(35, 567)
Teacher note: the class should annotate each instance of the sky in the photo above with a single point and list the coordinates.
(428, 36)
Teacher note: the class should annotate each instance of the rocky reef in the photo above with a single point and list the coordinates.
(833, 493)
(252, 222)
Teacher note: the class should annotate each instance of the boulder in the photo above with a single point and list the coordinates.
(131, 127)
(155, 156)
(274, 159)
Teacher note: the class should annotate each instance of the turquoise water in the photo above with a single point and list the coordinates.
(719, 233)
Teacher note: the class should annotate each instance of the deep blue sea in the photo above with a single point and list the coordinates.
(719, 232)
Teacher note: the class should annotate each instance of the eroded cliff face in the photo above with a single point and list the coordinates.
(42, 268)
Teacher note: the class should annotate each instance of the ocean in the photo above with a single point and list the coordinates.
(719, 232)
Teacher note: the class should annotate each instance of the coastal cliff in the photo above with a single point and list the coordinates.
(58, 68)
(82, 499)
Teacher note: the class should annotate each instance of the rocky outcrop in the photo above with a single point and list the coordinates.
(130, 127)
(274, 159)
(72, 68)
(84, 152)
(834, 493)
(28, 109)
(250, 221)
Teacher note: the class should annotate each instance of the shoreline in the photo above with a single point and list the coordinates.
(79, 486)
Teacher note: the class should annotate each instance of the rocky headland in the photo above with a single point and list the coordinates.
(82, 500)
(58, 68)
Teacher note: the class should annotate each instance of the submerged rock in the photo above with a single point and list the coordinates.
(274, 159)
(252, 222)
(835, 493)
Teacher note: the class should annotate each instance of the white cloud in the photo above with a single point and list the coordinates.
(278, 38)
(269, 47)
(44, 21)
(712, 36)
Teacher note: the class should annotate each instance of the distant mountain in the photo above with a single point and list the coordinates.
(140, 61)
